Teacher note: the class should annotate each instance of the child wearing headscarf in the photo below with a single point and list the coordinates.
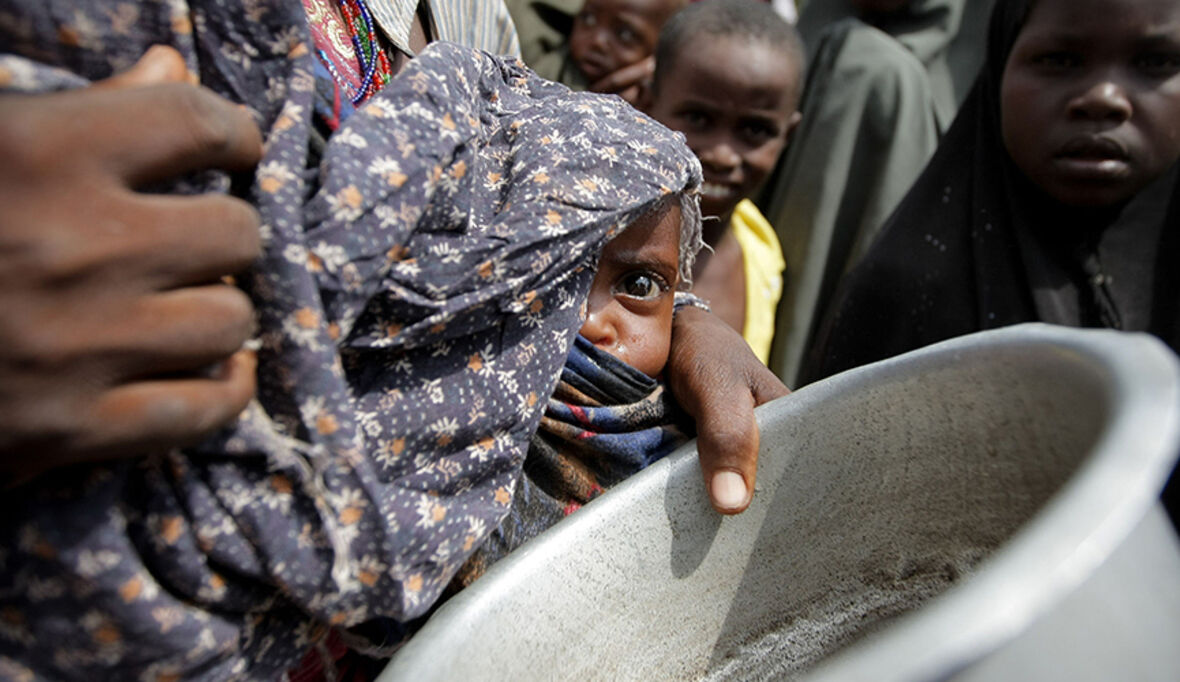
(610, 416)
(419, 290)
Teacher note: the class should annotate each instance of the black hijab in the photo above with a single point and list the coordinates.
(975, 246)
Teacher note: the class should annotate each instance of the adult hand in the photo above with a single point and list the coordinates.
(117, 335)
(632, 82)
(718, 380)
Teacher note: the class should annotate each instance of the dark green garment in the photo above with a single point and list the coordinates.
(544, 27)
(947, 36)
(873, 108)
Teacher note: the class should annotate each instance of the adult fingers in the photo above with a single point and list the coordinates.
(183, 330)
(146, 415)
(729, 435)
(141, 135)
(630, 75)
(765, 386)
(108, 341)
(160, 64)
(194, 239)
(150, 242)
(179, 129)
(150, 133)
(727, 444)
(138, 418)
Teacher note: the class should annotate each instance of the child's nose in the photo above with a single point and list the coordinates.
(1105, 100)
(600, 38)
(720, 156)
(600, 329)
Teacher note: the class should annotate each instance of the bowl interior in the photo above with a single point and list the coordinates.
(878, 489)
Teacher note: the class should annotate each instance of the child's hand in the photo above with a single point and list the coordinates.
(632, 83)
(116, 335)
(718, 380)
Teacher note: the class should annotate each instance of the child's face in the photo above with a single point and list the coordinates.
(1090, 97)
(629, 312)
(735, 102)
(611, 34)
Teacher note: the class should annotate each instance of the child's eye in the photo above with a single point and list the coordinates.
(626, 36)
(1057, 60)
(1158, 63)
(695, 119)
(641, 284)
(586, 19)
(758, 132)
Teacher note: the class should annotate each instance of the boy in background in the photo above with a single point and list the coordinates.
(597, 45)
(728, 75)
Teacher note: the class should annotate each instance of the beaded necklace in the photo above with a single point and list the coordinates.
(372, 62)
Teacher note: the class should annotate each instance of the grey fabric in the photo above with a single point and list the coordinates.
(947, 36)
(869, 125)
(876, 101)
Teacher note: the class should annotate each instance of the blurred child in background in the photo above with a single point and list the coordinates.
(598, 45)
(728, 75)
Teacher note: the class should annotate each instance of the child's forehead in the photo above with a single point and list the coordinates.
(1066, 16)
(735, 52)
(740, 61)
(1101, 28)
(660, 223)
(653, 240)
(649, 9)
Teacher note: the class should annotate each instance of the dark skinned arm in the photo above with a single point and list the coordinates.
(719, 381)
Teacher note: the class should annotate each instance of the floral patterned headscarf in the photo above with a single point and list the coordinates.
(419, 290)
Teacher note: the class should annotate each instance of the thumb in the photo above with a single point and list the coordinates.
(160, 64)
(728, 440)
(727, 443)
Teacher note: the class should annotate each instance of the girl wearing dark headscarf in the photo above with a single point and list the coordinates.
(1053, 196)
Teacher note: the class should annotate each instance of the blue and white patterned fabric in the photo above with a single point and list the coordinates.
(419, 290)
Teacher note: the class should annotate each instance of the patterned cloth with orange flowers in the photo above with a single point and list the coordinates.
(605, 422)
(419, 291)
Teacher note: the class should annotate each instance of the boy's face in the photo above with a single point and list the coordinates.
(1090, 97)
(735, 102)
(611, 34)
(629, 312)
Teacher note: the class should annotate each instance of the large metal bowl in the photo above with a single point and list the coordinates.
(985, 508)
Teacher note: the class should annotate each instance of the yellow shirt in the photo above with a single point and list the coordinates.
(763, 264)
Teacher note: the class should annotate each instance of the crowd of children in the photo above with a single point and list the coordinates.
(470, 278)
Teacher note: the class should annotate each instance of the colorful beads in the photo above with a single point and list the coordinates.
(373, 63)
